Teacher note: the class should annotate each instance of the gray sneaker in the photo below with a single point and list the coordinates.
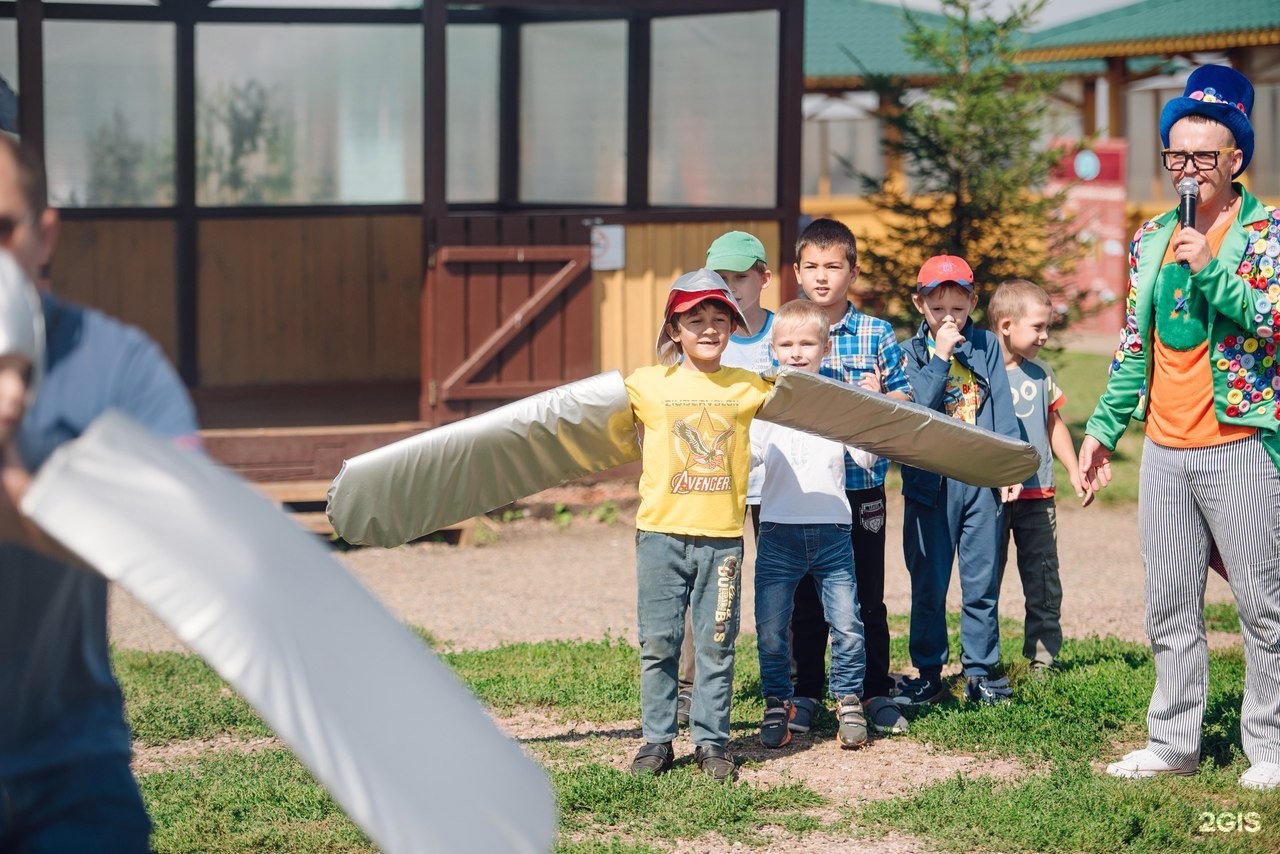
(853, 722)
(885, 716)
(805, 709)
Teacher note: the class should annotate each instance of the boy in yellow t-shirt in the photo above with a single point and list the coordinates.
(694, 417)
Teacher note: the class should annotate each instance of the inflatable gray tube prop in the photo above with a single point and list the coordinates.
(421, 484)
(906, 433)
(427, 482)
(401, 744)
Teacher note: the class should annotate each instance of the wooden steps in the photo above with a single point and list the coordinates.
(304, 501)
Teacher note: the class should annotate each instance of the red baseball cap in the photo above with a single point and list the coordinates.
(941, 269)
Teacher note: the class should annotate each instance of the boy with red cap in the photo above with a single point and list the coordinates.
(739, 259)
(694, 417)
(957, 369)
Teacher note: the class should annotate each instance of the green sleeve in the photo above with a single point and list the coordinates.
(1127, 386)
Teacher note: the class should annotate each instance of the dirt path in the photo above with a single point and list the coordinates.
(539, 581)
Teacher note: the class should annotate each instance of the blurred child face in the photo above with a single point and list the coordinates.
(746, 286)
(826, 276)
(943, 303)
(703, 334)
(801, 345)
(1025, 335)
(15, 372)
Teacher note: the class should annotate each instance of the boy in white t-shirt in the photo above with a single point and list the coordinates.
(805, 524)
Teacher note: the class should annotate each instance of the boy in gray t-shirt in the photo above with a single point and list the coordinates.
(1019, 315)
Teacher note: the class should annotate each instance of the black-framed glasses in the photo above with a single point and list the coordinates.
(9, 224)
(1176, 161)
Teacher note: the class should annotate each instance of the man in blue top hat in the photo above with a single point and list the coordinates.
(1197, 362)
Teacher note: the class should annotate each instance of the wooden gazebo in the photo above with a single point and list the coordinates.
(345, 223)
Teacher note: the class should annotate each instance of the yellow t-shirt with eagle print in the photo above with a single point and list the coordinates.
(697, 448)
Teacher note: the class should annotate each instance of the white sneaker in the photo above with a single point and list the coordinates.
(1262, 776)
(1143, 763)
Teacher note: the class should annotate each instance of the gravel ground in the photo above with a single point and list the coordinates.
(538, 581)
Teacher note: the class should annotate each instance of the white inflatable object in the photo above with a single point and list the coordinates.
(426, 482)
(392, 734)
(21, 319)
(437, 478)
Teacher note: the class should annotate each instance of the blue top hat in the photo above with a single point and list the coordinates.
(1222, 94)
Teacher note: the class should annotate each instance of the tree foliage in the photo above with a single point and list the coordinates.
(246, 154)
(971, 146)
(246, 147)
(124, 169)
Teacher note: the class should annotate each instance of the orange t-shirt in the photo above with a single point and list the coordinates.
(1180, 413)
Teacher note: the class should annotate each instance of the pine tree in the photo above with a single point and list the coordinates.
(978, 171)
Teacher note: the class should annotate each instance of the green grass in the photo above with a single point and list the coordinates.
(1073, 808)
(171, 696)
(682, 804)
(1222, 617)
(228, 801)
(592, 681)
(1060, 730)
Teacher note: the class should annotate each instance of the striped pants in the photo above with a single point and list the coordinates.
(1230, 493)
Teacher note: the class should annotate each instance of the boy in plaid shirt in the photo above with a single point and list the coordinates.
(864, 352)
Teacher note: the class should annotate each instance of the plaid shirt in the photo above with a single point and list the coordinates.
(859, 344)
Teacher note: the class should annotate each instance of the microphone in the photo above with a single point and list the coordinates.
(1188, 194)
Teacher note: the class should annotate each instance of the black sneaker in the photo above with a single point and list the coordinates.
(992, 692)
(921, 690)
(773, 729)
(684, 702)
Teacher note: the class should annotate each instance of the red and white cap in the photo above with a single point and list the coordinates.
(686, 292)
(944, 269)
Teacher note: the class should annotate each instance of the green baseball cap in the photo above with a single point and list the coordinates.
(735, 251)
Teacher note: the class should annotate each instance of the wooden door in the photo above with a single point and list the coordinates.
(508, 311)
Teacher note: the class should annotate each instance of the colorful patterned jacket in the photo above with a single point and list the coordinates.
(1241, 287)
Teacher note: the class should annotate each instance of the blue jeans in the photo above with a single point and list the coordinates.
(967, 521)
(91, 805)
(703, 574)
(784, 556)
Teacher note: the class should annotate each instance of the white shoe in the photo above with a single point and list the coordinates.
(1262, 776)
(1143, 763)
